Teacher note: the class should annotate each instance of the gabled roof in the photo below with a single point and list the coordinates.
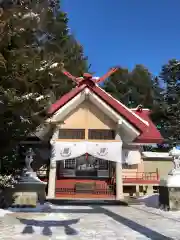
(65, 99)
(140, 120)
(151, 132)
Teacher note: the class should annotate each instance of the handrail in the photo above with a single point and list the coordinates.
(141, 175)
(134, 176)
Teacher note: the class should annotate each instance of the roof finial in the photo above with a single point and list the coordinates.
(139, 108)
(87, 76)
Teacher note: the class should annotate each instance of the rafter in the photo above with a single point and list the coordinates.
(105, 76)
(69, 75)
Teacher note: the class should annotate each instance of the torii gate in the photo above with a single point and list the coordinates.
(88, 76)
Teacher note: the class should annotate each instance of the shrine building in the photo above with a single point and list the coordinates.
(96, 145)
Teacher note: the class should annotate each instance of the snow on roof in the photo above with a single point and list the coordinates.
(156, 155)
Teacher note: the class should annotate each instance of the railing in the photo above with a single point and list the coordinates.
(141, 175)
(138, 177)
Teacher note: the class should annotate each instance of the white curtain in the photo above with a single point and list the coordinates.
(111, 151)
(67, 150)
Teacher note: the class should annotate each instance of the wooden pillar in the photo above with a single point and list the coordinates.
(119, 182)
(52, 180)
(119, 176)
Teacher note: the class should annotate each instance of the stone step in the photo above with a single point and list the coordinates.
(81, 202)
(132, 201)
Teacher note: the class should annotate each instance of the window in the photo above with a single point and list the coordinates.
(70, 163)
(71, 133)
(103, 164)
(104, 134)
(126, 166)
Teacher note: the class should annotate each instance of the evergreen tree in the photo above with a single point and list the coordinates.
(132, 88)
(139, 87)
(170, 119)
(34, 42)
(117, 84)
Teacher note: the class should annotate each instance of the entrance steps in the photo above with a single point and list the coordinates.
(70, 183)
(86, 202)
(84, 189)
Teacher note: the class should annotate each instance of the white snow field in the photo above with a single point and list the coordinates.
(91, 222)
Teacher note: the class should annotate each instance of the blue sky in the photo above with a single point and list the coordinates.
(126, 32)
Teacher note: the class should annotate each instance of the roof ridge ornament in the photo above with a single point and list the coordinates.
(139, 108)
(87, 76)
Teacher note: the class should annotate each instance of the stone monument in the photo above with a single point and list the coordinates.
(169, 194)
(30, 189)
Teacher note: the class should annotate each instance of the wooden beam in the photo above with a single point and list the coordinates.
(82, 140)
(105, 76)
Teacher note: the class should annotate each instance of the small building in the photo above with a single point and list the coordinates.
(96, 146)
(91, 146)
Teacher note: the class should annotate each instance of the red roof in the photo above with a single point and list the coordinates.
(65, 99)
(149, 133)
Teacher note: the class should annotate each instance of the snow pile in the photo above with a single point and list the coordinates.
(151, 203)
(3, 212)
(174, 215)
(6, 181)
(174, 180)
(150, 200)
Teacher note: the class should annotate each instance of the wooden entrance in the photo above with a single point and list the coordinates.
(84, 177)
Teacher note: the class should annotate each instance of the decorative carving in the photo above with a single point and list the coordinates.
(66, 152)
(29, 159)
(102, 152)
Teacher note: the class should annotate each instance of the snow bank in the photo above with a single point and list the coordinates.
(174, 215)
(3, 212)
(150, 200)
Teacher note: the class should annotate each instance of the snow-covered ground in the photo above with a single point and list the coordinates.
(39, 208)
(151, 204)
(3, 212)
(49, 221)
(150, 200)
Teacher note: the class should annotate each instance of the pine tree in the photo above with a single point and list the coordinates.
(132, 88)
(117, 84)
(170, 121)
(34, 42)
